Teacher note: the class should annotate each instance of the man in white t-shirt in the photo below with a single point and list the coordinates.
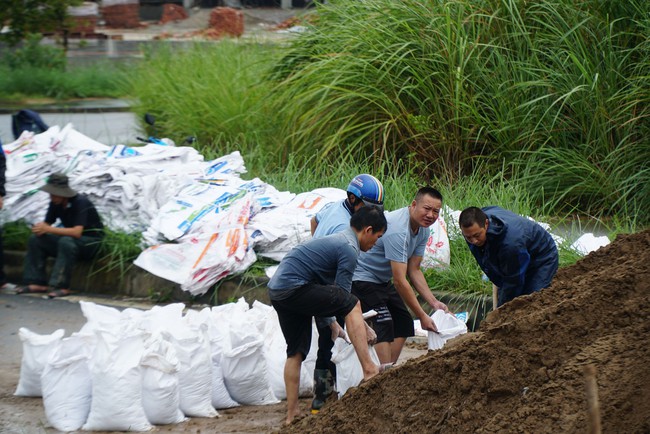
(387, 274)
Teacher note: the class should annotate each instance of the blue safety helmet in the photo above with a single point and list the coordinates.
(368, 189)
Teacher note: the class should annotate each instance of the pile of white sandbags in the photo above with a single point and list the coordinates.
(132, 369)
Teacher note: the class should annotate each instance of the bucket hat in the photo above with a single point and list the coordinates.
(57, 184)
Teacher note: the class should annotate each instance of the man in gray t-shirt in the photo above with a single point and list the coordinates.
(388, 273)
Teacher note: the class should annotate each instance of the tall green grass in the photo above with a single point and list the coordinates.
(456, 83)
(212, 91)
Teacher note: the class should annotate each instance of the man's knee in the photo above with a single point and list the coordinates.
(67, 246)
(33, 241)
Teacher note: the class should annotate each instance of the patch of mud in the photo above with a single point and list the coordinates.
(523, 371)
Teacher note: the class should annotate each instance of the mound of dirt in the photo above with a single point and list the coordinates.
(523, 371)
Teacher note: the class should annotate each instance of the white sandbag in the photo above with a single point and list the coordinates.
(275, 351)
(437, 253)
(96, 315)
(266, 319)
(245, 374)
(448, 325)
(306, 387)
(195, 375)
(244, 366)
(588, 243)
(117, 384)
(36, 352)
(160, 383)
(67, 383)
(218, 333)
(348, 368)
(220, 396)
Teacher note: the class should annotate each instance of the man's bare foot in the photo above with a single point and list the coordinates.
(291, 415)
(32, 289)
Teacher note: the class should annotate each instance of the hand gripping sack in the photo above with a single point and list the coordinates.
(448, 327)
(348, 368)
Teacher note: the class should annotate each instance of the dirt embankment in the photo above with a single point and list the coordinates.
(523, 371)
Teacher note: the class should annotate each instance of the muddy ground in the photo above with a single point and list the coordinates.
(523, 371)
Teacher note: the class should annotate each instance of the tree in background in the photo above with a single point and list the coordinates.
(25, 17)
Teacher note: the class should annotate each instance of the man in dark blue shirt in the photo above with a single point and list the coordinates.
(517, 255)
(314, 279)
(78, 236)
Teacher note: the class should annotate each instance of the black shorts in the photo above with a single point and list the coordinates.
(296, 311)
(393, 319)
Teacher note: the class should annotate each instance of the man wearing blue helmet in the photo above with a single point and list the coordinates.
(363, 190)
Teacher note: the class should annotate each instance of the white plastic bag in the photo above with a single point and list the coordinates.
(245, 371)
(117, 384)
(195, 377)
(160, 384)
(67, 384)
(36, 352)
(437, 253)
(448, 327)
(348, 368)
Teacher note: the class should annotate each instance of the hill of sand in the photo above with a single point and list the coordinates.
(523, 371)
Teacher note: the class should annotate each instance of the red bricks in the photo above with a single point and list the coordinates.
(172, 12)
(122, 16)
(227, 21)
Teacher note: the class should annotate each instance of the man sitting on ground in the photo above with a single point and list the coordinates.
(79, 237)
(314, 279)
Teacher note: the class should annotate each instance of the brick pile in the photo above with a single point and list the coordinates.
(172, 12)
(122, 16)
(83, 25)
(227, 21)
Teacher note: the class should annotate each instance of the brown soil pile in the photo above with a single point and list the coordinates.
(523, 371)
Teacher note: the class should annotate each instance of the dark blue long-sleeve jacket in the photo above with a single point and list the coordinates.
(519, 256)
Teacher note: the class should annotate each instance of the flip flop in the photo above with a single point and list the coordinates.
(59, 293)
(385, 367)
(27, 290)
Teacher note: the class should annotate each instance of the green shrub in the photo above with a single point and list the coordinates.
(33, 54)
(101, 79)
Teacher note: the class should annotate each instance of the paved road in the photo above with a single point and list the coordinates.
(110, 128)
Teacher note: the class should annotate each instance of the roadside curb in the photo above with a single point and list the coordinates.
(72, 106)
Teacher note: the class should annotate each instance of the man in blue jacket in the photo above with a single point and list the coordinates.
(517, 255)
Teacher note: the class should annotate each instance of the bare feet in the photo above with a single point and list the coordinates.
(292, 414)
(32, 289)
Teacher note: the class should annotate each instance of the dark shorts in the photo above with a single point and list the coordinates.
(296, 311)
(393, 319)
